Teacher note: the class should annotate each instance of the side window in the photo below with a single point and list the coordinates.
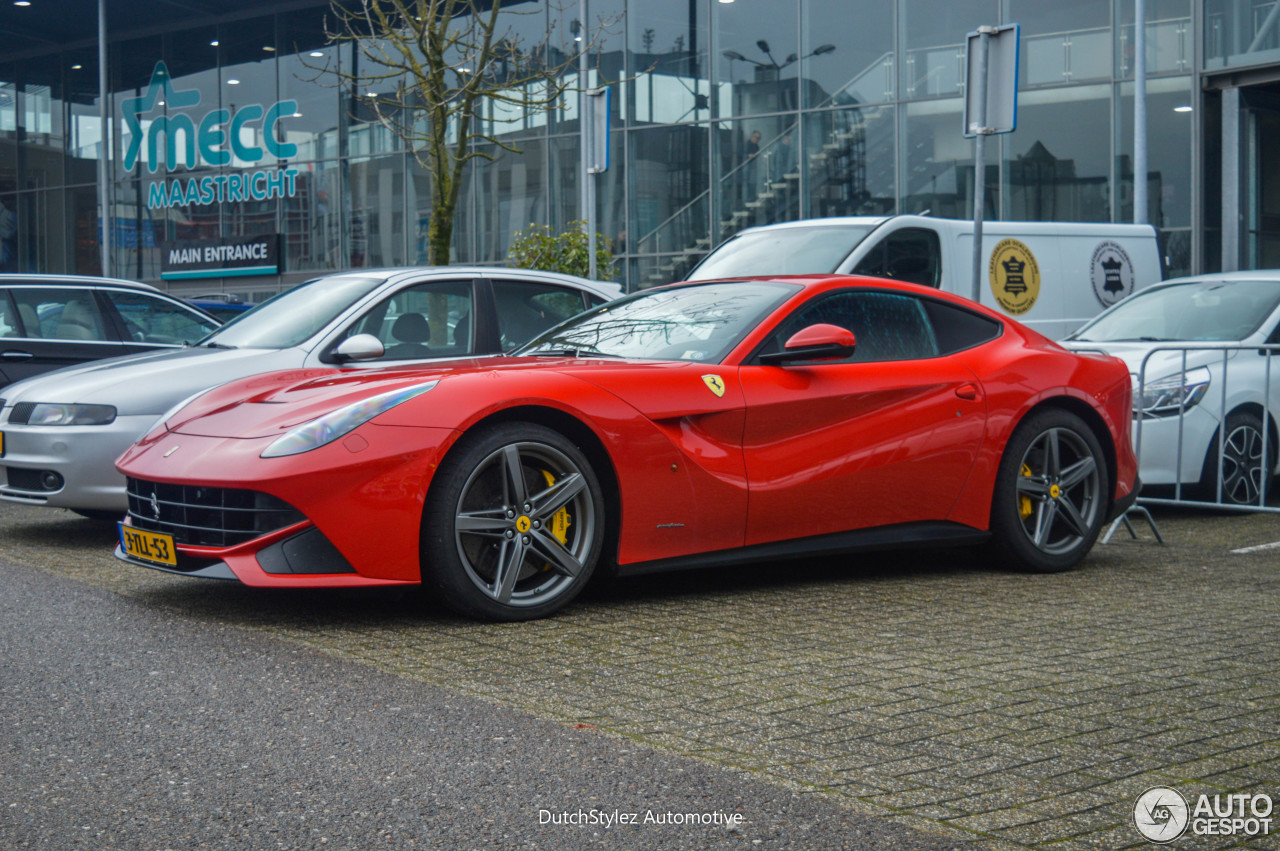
(9, 326)
(424, 321)
(54, 313)
(913, 255)
(150, 319)
(527, 308)
(886, 326)
(956, 328)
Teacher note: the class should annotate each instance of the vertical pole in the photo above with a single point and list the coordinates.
(979, 128)
(586, 121)
(1140, 113)
(104, 150)
(1230, 179)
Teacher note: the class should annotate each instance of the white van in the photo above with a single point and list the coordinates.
(1052, 276)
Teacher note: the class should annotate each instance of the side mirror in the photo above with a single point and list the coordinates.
(358, 348)
(815, 343)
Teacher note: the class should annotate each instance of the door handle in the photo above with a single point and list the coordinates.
(967, 391)
(14, 354)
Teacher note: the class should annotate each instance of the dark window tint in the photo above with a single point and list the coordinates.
(526, 309)
(956, 328)
(54, 313)
(886, 326)
(913, 255)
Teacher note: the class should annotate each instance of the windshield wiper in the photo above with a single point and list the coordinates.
(215, 346)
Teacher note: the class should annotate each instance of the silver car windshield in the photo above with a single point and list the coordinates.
(809, 250)
(693, 323)
(294, 316)
(1209, 311)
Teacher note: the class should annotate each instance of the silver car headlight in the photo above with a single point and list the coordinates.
(55, 414)
(335, 424)
(1164, 397)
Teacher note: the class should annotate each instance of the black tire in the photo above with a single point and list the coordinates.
(1051, 495)
(1242, 475)
(514, 524)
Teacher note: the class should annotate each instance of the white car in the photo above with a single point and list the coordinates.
(1195, 348)
(60, 433)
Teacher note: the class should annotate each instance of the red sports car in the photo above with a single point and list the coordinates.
(697, 424)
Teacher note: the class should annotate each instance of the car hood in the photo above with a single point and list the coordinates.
(1165, 358)
(151, 383)
(266, 405)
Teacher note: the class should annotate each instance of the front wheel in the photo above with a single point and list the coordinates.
(1243, 479)
(514, 524)
(1050, 499)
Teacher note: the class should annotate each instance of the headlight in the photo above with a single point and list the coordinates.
(1166, 396)
(335, 424)
(53, 414)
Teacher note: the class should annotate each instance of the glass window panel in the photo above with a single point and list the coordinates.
(1057, 166)
(670, 209)
(668, 41)
(426, 321)
(850, 157)
(937, 162)
(934, 35)
(377, 227)
(760, 57)
(56, 313)
(148, 319)
(1238, 32)
(1169, 168)
(847, 53)
(307, 76)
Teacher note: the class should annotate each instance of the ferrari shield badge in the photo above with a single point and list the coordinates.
(715, 383)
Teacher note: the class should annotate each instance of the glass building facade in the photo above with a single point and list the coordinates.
(724, 115)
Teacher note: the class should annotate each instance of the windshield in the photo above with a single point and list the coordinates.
(1210, 311)
(294, 316)
(693, 323)
(809, 250)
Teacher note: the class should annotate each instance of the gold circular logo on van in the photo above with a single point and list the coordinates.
(1015, 277)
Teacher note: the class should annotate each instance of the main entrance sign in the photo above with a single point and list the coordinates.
(216, 139)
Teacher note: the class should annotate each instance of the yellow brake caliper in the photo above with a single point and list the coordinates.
(560, 521)
(1025, 508)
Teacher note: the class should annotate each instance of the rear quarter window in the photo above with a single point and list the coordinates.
(957, 329)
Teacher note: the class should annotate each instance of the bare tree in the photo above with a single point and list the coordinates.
(426, 69)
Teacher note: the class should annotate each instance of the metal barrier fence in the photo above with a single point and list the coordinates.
(1237, 483)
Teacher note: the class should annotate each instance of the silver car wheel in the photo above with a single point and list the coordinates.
(1059, 492)
(525, 524)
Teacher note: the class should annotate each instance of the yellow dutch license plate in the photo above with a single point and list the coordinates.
(149, 546)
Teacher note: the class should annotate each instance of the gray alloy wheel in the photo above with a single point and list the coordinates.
(1242, 475)
(518, 527)
(1050, 499)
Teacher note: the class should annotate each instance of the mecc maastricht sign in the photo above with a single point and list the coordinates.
(215, 139)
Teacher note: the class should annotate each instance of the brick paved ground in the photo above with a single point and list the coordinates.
(993, 707)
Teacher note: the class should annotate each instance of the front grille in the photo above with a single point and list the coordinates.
(21, 413)
(201, 516)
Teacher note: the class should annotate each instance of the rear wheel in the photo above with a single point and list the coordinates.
(514, 524)
(1243, 480)
(1050, 499)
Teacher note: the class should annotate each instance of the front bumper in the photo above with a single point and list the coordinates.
(1164, 456)
(82, 457)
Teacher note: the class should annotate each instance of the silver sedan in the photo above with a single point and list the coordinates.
(60, 433)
